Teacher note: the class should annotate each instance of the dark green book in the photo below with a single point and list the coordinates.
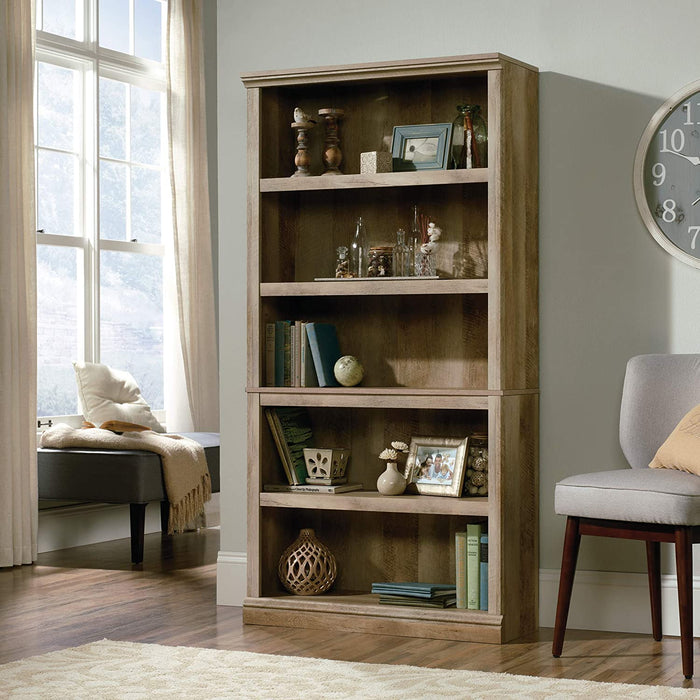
(294, 427)
(413, 590)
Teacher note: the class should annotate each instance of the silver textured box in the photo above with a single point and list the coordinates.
(375, 162)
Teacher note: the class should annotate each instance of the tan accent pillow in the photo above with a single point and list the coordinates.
(682, 447)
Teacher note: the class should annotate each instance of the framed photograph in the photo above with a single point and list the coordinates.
(421, 147)
(436, 465)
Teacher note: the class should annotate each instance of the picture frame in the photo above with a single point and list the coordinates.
(433, 475)
(421, 147)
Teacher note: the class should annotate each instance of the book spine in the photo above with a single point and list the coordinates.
(279, 352)
(473, 537)
(302, 354)
(296, 344)
(287, 354)
(277, 437)
(270, 354)
(461, 568)
(484, 573)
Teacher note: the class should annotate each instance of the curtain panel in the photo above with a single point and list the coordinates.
(18, 481)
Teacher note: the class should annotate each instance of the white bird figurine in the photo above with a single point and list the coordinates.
(301, 116)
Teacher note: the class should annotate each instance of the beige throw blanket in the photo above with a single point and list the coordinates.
(185, 472)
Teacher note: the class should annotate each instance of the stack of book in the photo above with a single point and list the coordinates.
(421, 595)
(300, 354)
(472, 567)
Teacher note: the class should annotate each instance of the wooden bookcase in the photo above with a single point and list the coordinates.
(481, 376)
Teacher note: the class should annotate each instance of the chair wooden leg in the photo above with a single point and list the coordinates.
(684, 572)
(164, 516)
(138, 523)
(572, 540)
(654, 570)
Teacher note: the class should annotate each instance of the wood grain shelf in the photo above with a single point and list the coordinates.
(374, 502)
(356, 181)
(374, 287)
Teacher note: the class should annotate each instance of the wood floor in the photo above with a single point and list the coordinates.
(80, 595)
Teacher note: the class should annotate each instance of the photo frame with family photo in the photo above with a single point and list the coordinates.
(436, 465)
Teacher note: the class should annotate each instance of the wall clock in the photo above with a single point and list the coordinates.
(667, 175)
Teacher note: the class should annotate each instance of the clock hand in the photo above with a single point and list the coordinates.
(695, 160)
(695, 202)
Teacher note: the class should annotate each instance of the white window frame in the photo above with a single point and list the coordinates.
(93, 62)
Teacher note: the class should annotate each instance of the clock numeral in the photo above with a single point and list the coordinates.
(659, 173)
(693, 231)
(669, 213)
(688, 108)
(677, 140)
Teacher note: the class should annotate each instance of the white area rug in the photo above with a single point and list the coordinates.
(127, 671)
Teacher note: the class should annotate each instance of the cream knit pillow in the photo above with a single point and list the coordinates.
(682, 447)
(109, 394)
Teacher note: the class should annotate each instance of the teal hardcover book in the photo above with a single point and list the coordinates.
(325, 350)
(415, 590)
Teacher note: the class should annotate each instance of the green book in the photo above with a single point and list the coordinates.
(473, 538)
(461, 568)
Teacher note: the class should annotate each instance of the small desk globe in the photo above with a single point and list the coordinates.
(348, 371)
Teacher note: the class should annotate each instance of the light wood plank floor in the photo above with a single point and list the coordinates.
(80, 595)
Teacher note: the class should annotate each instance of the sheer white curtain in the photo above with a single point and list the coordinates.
(191, 225)
(18, 486)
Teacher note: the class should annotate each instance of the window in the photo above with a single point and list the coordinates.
(103, 202)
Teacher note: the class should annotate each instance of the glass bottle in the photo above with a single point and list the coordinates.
(415, 241)
(402, 261)
(469, 144)
(358, 251)
(342, 264)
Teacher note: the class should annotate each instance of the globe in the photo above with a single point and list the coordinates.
(348, 371)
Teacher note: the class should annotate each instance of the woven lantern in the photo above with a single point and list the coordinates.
(307, 566)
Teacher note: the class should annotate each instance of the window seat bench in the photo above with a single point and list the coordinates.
(116, 476)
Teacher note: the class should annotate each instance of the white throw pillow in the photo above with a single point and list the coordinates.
(110, 394)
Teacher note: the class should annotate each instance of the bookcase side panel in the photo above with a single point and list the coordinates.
(253, 496)
(253, 242)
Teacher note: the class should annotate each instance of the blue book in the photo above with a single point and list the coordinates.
(484, 572)
(325, 350)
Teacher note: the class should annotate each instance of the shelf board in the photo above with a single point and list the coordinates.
(359, 181)
(374, 502)
(374, 287)
(364, 613)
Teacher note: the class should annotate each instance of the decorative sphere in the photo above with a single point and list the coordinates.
(348, 370)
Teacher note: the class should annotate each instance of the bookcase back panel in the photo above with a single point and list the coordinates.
(368, 547)
(372, 110)
(401, 341)
(367, 432)
(302, 230)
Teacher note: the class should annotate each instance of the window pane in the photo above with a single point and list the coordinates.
(56, 106)
(147, 29)
(112, 119)
(114, 25)
(131, 327)
(145, 205)
(113, 179)
(145, 126)
(60, 18)
(58, 329)
(56, 192)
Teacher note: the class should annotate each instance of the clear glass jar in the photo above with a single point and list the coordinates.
(469, 144)
(342, 263)
(402, 260)
(380, 262)
(358, 250)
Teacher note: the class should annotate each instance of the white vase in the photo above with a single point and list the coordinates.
(390, 482)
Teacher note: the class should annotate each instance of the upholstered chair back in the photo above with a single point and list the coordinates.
(658, 391)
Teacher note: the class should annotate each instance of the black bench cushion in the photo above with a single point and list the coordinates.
(112, 476)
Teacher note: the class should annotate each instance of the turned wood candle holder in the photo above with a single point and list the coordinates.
(302, 159)
(332, 155)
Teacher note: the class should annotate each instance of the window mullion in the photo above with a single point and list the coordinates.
(91, 191)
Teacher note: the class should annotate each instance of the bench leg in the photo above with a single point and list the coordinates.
(164, 515)
(138, 522)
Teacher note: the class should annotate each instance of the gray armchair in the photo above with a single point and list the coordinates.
(653, 505)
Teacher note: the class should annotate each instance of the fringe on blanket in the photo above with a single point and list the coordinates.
(190, 506)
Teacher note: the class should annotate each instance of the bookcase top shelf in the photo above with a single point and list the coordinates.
(374, 287)
(372, 501)
(362, 181)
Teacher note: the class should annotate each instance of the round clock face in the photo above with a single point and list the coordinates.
(667, 175)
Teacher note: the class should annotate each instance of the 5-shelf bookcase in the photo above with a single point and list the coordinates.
(443, 358)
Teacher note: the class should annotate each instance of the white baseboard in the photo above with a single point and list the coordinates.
(615, 602)
(231, 578)
(90, 523)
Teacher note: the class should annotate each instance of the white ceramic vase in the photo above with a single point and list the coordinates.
(390, 482)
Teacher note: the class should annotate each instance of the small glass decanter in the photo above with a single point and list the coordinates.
(358, 250)
(469, 145)
(402, 259)
(342, 263)
(414, 243)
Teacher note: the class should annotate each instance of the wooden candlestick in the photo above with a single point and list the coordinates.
(332, 155)
(302, 159)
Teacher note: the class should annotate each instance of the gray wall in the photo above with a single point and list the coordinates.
(607, 290)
